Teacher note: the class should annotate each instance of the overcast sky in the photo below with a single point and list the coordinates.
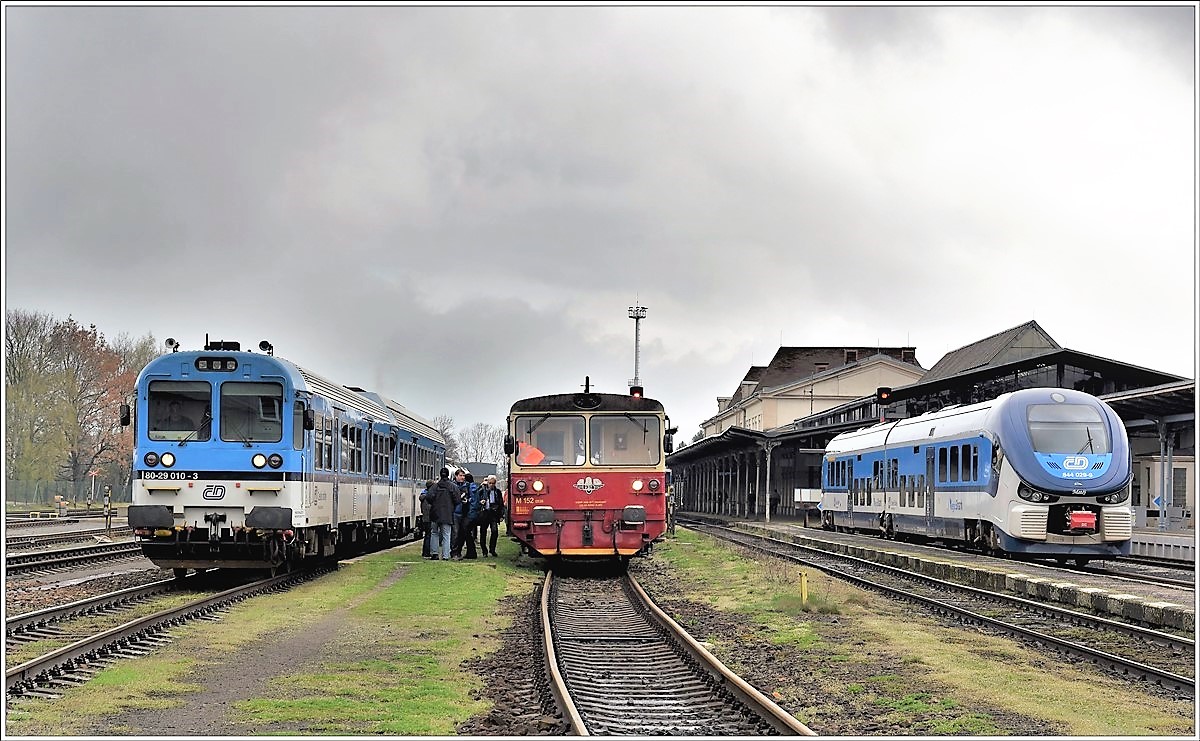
(457, 206)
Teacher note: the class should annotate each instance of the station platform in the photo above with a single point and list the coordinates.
(1157, 606)
(1155, 543)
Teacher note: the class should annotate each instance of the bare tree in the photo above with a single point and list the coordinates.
(444, 424)
(482, 443)
(64, 384)
(33, 439)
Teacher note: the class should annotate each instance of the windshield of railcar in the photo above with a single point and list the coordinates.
(625, 440)
(177, 409)
(1067, 429)
(549, 440)
(251, 412)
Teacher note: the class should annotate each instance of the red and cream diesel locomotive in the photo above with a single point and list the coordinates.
(587, 474)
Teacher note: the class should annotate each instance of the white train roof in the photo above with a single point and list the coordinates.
(948, 422)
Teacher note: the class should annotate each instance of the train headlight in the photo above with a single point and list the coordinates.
(654, 484)
(1115, 498)
(275, 460)
(522, 486)
(638, 484)
(168, 459)
(259, 460)
(151, 459)
(538, 485)
(1033, 495)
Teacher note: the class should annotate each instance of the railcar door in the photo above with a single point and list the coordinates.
(369, 464)
(339, 442)
(304, 440)
(930, 472)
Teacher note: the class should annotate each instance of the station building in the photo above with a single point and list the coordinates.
(749, 450)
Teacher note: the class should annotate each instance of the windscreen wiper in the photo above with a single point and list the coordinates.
(206, 421)
(1088, 444)
(643, 425)
(529, 432)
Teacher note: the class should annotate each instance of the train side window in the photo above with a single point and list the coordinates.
(974, 462)
(329, 443)
(298, 425)
(954, 463)
(943, 466)
(921, 490)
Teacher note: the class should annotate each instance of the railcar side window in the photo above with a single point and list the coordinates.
(1067, 429)
(328, 444)
(298, 425)
(250, 412)
(179, 410)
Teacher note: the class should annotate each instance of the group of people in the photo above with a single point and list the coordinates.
(455, 510)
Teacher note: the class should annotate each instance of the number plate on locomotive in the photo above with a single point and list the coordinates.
(170, 475)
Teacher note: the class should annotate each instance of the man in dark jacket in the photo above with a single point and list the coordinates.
(441, 515)
(491, 511)
(466, 515)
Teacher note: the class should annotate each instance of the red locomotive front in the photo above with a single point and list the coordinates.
(587, 474)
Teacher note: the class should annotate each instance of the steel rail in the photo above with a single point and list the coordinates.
(1161, 677)
(558, 685)
(746, 692)
(50, 666)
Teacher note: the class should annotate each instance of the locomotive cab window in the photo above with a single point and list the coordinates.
(1067, 429)
(625, 439)
(548, 440)
(179, 410)
(250, 412)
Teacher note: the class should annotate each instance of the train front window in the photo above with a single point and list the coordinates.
(179, 410)
(1067, 429)
(626, 440)
(251, 412)
(549, 440)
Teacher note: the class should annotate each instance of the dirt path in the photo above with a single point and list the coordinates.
(244, 676)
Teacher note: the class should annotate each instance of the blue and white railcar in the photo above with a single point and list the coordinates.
(1041, 473)
(246, 460)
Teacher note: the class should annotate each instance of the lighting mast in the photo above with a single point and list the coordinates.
(637, 314)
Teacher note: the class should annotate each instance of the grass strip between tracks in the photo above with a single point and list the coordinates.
(846, 648)
(383, 646)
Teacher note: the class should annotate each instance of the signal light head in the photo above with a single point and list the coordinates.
(635, 392)
(883, 394)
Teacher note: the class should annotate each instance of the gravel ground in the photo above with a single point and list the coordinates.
(27, 594)
(814, 683)
(807, 683)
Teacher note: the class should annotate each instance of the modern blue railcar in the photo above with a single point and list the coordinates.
(1041, 473)
(245, 460)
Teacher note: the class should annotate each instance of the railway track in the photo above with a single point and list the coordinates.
(1164, 659)
(45, 624)
(30, 541)
(47, 675)
(620, 666)
(68, 558)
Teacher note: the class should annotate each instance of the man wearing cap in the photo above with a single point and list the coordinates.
(491, 512)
